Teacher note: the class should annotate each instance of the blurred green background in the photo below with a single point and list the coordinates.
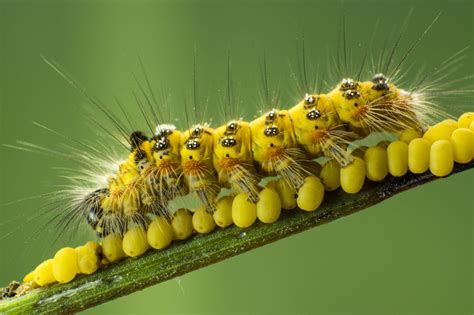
(412, 254)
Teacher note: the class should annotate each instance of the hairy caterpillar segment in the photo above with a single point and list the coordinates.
(376, 106)
(196, 161)
(142, 187)
(275, 149)
(319, 130)
(163, 177)
(233, 160)
(121, 203)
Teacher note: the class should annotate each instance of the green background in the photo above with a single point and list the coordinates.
(412, 254)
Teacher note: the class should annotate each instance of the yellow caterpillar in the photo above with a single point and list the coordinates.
(436, 150)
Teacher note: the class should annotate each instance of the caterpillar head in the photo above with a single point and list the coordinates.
(232, 140)
(378, 89)
(196, 143)
(166, 144)
(363, 103)
(312, 119)
(272, 133)
(269, 130)
(349, 102)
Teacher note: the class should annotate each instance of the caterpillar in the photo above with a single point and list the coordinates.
(131, 214)
(436, 150)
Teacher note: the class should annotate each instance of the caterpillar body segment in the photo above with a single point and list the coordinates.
(319, 130)
(275, 149)
(197, 164)
(163, 177)
(119, 206)
(233, 159)
(377, 106)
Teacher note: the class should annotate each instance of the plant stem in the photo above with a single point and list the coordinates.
(154, 267)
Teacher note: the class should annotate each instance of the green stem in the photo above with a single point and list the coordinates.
(154, 267)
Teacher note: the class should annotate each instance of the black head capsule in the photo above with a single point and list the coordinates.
(196, 132)
(192, 144)
(309, 99)
(348, 84)
(161, 144)
(271, 116)
(164, 130)
(271, 131)
(228, 142)
(313, 114)
(380, 82)
(231, 128)
(351, 94)
(163, 133)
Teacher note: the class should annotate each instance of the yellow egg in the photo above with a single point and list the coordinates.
(440, 131)
(331, 175)
(29, 277)
(311, 194)
(65, 266)
(44, 273)
(112, 247)
(268, 206)
(223, 214)
(182, 224)
(159, 233)
(419, 156)
(465, 120)
(376, 164)
(353, 176)
(244, 212)
(441, 158)
(287, 197)
(462, 140)
(135, 242)
(471, 127)
(87, 259)
(397, 157)
(408, 135)
(203, 222)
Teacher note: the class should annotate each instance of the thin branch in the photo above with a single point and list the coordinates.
(182, 257)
